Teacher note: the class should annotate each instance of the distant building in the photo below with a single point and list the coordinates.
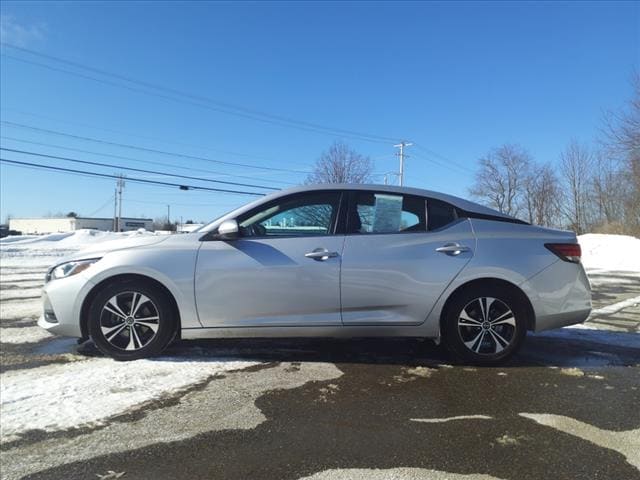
(29, 226)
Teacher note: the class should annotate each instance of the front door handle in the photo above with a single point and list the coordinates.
(452, 249)
(321, 254)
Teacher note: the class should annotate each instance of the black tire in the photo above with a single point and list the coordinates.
(112, 334)
(488, 348)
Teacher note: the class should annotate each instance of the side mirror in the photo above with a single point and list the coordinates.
(228, 230)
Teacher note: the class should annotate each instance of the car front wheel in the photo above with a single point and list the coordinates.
(130, 320)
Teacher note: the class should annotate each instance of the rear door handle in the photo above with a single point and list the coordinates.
(452, 249)
(321, 254)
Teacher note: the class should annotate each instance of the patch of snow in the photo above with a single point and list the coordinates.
(23, 335)
(25, 309)
(605, 277)
(616, 307)
(88, 393)
(403, 473)
(610, 252)
(626, 442)
(450, 419)
(20, 294)
(424, 372)
(508, 441)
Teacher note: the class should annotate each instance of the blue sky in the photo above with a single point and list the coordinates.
(458, 79)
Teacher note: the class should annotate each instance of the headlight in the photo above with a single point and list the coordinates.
(70, 268)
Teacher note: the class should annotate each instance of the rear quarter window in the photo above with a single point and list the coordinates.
(440, 214)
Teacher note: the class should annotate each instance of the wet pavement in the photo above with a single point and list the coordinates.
(565, 407)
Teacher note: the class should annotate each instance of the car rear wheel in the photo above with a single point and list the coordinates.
(130, 320)
(485, 325)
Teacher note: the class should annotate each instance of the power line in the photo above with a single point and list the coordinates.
(143, 137)
(148, 150)
(211, 205)
(102, 207)
(132, 169)
(449, 163)
(136, 180)
(150, 162)
(200, 100)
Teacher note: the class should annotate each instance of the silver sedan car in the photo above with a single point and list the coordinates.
(328, 260)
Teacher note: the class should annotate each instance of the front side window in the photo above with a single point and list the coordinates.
(387, 213)
(301, 215)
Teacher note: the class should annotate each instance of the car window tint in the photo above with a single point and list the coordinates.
(387, 213)
(440, 214)
(303, 215)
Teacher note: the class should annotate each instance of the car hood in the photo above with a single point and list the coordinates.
(102, 248)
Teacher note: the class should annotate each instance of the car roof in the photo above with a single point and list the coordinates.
(452, 199)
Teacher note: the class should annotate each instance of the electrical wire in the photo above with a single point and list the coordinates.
(132, 169)
(131, 159)
(102, 207)
(129, 179)
(148, 150)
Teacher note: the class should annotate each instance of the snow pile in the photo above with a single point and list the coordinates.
(68, 240)
(43, 250)
(610, 252)
(87, 393)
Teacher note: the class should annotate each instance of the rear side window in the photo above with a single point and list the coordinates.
(440, 214)
(387, 213)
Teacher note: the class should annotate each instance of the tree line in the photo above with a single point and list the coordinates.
(590, 189)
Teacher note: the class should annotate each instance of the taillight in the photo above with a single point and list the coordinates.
(569, 252)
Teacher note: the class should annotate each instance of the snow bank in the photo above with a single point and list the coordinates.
(610, 252)
(44, 250)
(77, 239)
(86, 393)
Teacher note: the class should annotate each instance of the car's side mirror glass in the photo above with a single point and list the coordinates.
(228, 230)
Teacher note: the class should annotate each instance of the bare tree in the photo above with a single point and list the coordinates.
(622, 143)
(610, 191)
(542, 195)
(575, 167)
(341, 164)
(500, 181)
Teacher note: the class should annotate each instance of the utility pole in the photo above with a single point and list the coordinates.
(120, 186)
(115, 209)
(169, 216)
(402, 156)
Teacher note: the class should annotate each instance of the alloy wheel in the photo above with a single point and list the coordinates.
(487, 326)
(129, 320)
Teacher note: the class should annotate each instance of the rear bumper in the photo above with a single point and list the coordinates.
(560, 295)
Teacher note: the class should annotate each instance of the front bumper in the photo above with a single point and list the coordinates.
(62, 302)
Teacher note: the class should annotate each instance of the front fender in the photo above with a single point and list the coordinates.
(174, 270)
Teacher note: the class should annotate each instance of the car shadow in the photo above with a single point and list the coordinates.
(564, 348)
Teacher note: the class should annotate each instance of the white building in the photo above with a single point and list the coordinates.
(29, 226)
